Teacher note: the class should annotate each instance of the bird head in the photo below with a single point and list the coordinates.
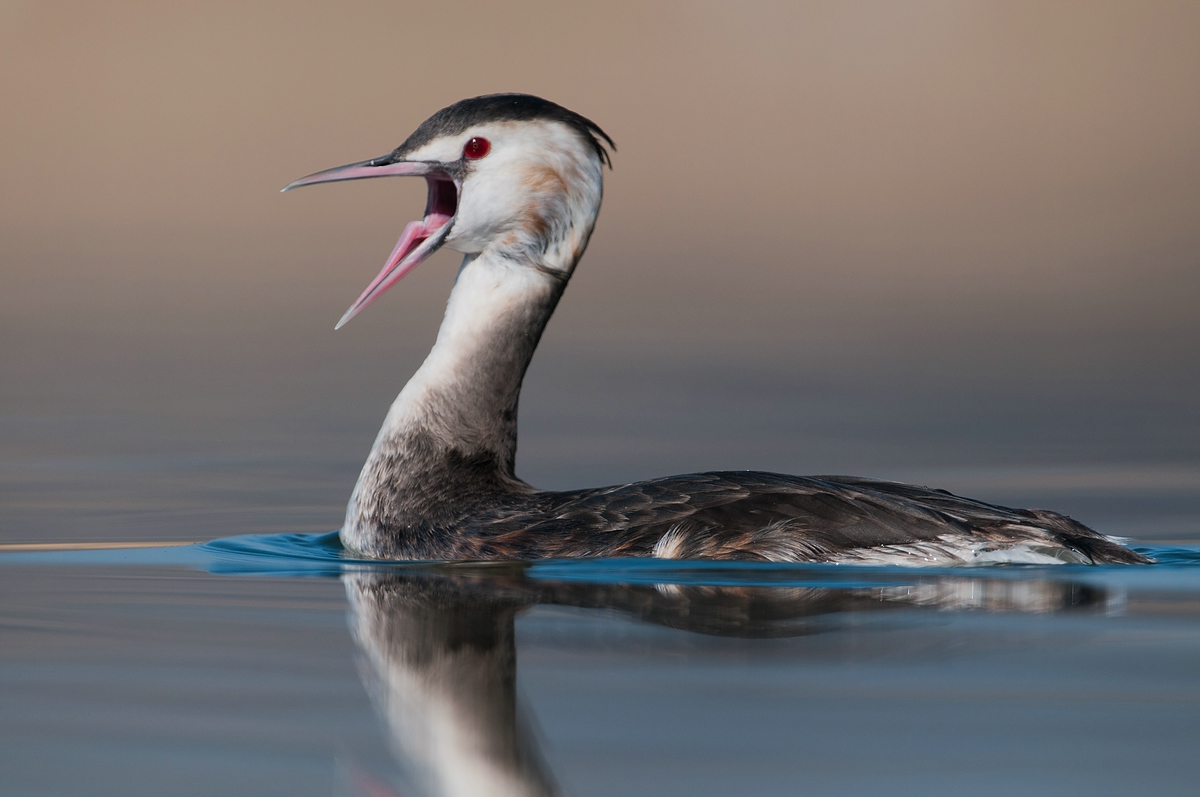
(511, 173)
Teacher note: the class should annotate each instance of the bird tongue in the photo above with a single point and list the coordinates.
(410, 251)
(413, 236)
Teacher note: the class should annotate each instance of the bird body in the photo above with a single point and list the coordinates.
(515, 183)
(732, 515)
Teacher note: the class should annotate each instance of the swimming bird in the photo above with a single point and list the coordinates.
(515, 184)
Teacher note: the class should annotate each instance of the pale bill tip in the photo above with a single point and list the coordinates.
(346, 318)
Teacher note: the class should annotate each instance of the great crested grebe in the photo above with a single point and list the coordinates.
(515, 184)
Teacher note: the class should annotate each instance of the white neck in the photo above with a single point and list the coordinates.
(465, 393)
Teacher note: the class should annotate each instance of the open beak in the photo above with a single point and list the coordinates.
(420, 239)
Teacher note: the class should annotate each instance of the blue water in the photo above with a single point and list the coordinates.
(278, 664)
(324, 555)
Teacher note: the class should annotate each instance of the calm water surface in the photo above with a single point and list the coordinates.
(275, 665)
(266, 663)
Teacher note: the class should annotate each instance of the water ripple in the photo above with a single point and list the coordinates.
(323, 555)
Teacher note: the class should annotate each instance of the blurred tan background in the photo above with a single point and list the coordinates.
(952, 242)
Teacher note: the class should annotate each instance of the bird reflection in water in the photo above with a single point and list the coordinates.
(439, 650)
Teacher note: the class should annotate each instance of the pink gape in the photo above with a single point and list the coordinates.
(419, 240)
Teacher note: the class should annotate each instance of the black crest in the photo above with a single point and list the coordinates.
(504, 108)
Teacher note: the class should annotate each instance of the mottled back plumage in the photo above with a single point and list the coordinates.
(752, 516)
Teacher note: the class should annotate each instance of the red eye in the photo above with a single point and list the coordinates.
(476, 148)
